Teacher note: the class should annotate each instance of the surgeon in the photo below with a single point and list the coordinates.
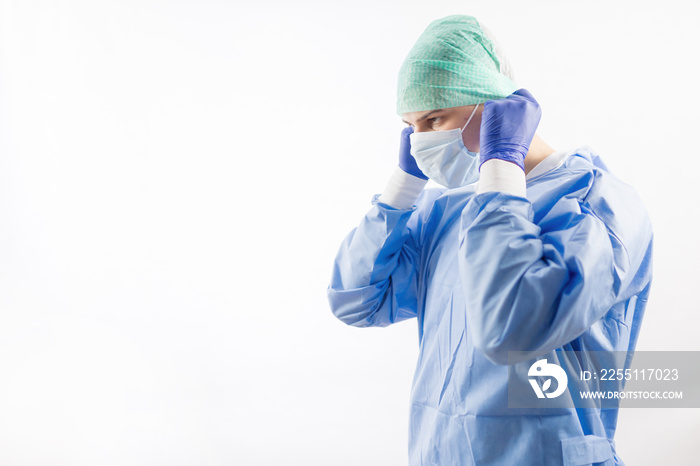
(524, 251)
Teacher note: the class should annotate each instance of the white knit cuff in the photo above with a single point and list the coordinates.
(402, 190)
(500, 175)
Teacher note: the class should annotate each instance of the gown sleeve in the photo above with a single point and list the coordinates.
(535, 287)
(374, 281)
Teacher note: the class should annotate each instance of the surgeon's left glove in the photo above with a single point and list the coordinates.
(507, 128)
(407, 182)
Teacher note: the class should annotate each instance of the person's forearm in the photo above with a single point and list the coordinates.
(402, 190)
(503, 176)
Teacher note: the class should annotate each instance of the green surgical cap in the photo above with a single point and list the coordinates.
(455, 62)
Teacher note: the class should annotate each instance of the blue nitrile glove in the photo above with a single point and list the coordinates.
(507, 127)
(406, 160)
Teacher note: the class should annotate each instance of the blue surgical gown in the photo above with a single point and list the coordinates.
(569, 267)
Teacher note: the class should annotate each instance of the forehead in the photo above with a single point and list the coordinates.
(415, 117)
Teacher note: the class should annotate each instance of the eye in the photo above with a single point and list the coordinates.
(433, 121)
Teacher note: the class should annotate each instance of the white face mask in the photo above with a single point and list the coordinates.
(444, 158)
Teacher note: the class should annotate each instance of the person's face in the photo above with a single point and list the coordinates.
(448, 118)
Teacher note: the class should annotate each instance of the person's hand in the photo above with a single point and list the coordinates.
(406, 160)
(508, 126)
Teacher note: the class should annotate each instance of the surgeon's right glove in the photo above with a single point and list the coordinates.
(407, 182)
(406, 160)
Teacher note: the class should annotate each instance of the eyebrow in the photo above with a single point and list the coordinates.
(423, 117)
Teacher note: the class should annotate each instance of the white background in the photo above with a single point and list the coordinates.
(176, 178)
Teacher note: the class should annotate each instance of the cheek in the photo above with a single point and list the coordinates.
(471, 134)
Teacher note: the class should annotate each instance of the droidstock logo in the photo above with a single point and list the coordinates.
(542, 368)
